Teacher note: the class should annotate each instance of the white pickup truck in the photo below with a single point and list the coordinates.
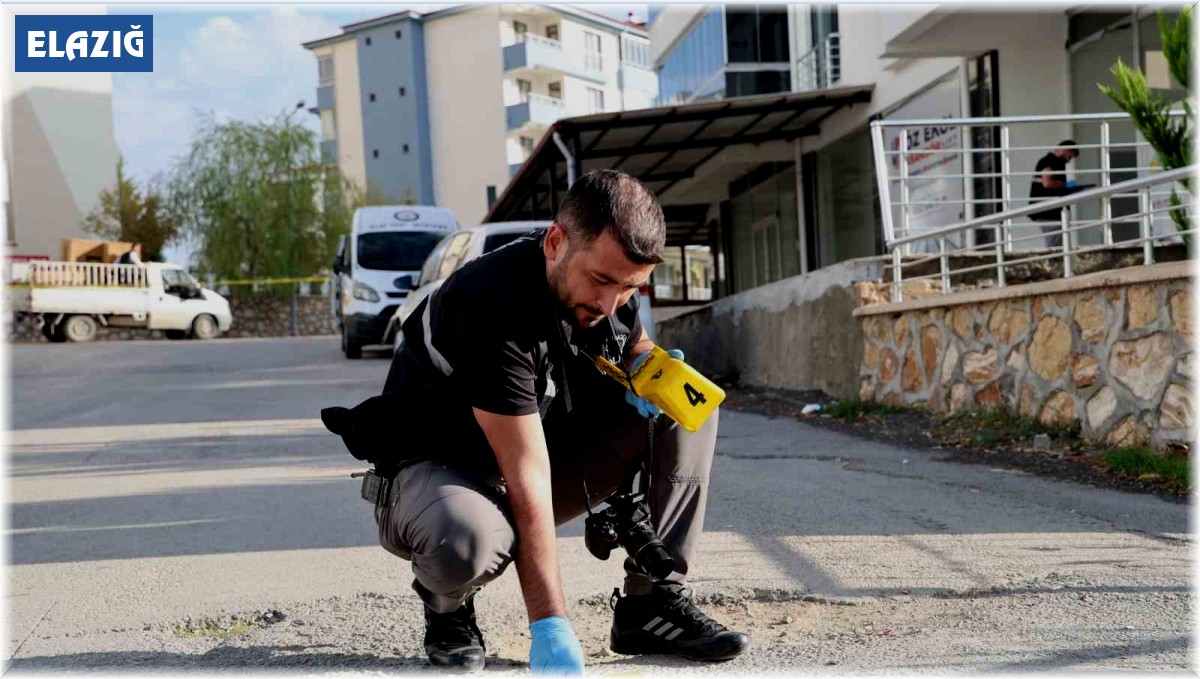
(73, 299)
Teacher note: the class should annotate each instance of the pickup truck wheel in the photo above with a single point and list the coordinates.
(205, 327)
(350, 348)
(53, 334)
(79, 328)
(176, 334)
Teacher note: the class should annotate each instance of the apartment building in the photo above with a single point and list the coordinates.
(59, 150)
(442, 108)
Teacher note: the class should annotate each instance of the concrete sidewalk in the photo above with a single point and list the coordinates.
(835, 553)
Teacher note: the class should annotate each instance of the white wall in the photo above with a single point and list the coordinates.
(610, 47)
(464, 63)
(347, 109)
(59, 147)
(1033, 70)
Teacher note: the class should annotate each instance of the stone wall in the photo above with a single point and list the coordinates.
(1110, 351)
(798, 333)
(257, 315)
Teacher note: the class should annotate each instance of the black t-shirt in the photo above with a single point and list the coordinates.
(492, 337)
(1058, 168)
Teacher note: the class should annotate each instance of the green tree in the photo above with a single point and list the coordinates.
(258, 201)
(1169, 136)
(128, 214)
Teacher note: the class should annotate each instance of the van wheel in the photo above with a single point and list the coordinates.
(79, 328)
(176, 334)
(350, 348)
(205, 327)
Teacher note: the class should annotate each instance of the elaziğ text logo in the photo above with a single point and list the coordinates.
(89, 43)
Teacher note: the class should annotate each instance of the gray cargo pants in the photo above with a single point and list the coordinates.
(458, 532)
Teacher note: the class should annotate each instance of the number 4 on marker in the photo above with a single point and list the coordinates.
(693, 396)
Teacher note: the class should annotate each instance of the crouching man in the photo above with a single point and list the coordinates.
(518, 431)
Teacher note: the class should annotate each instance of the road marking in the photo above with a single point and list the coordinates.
(126, 433)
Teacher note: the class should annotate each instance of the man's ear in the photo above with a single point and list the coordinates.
(555, 242)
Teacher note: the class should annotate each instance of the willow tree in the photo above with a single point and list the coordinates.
(257, 200)
(1169, 135)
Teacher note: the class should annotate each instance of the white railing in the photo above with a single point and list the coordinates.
(937, 172)
(548, 43)
(545, 100)
(85, 274)
(947, 244)
(821, 66)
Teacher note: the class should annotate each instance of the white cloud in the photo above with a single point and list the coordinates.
(240, 66)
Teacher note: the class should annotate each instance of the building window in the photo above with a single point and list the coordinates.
(406, 148)
(402, 91)
(526, 147)
(595, 100)
(756, 34)
(519, 30)
(555, 90)
(398, 34)
(524, 87)
(325, 71)
(375, 153)
(328, 125)
(371, 96)
(552, 31)
(635, 53)
(593, 56)
(367, 41)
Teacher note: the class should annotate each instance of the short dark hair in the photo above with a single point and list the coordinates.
(1068, 144)
(613, 200)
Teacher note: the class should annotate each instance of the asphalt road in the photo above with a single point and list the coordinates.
(161, 492)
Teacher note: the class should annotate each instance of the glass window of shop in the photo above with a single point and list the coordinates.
(1096, 40)
(692, 71)
(764, 227)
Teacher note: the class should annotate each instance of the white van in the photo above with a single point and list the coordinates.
(378, 265)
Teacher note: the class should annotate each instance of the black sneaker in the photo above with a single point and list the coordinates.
(453, 640)
(667, 622)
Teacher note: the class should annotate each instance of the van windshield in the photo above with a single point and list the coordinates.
(396, 250)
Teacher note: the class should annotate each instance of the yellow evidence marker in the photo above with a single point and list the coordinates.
(672, 385)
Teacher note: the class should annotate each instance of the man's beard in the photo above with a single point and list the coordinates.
(558, 283)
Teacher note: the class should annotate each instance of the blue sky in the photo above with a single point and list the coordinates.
(231, 61)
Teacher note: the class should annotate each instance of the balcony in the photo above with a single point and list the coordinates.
(821, 66)
(539, 53)
(325, 97)
(632, 77)
(539, 111)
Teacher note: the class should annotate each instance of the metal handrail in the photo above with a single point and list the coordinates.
(1169, 176)
(1007, 120)
(905, 170)
(1002, 223)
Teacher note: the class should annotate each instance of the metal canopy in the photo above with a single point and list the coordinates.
(664, 147)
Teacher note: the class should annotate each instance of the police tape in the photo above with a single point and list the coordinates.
(230, 283)
(273, 281)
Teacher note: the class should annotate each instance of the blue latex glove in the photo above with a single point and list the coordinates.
(1071, 183)
(554, 649)
(645, 408)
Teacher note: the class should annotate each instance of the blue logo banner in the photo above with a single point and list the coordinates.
(64, 43)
